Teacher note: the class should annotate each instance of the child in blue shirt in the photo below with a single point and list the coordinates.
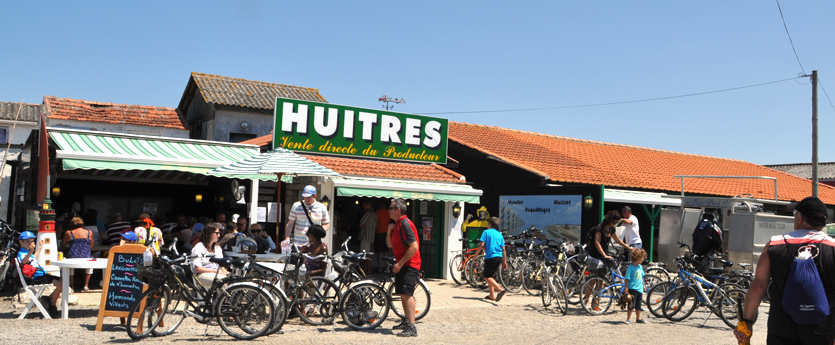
(634, 280)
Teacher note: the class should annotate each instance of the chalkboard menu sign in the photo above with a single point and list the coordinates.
(121, 287)
(124, 288)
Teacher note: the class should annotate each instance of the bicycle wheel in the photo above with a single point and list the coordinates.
(572, 285)
(469, 269)
(511, 278)
(318, 306)
(659, 272)
(147, 312)
(597, 295)
(651, 280)
(174, 314)
(245, 311)
(679, 303)
(553, 292)
(547, 295)
(423, 301)
(456, 268)
(655, 297)
(475, 276)
(530, 280)
(771, 290)
(4, 269)
(727, 307)
(365, 306)
(743, 281)
(281, 307)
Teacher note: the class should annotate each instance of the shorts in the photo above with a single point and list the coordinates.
(491, 265)
(636, 300)
(46, 279)
(636, 246)
(365, 246)
(380, 245)
(405, 281)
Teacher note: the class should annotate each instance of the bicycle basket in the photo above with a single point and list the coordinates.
(567, 249)
(153, 276)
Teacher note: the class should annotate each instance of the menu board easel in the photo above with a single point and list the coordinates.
(121, 286)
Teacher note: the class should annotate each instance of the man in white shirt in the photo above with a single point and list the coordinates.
(631, 233)
(299, 221)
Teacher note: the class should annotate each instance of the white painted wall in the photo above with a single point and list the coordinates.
(119, 128)
(452, 245)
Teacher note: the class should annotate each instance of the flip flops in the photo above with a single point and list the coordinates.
(489, 299)
(500, 295)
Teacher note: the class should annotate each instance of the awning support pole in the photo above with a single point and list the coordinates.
(253, 203)
(278, 212)
(602, 210)
(656, 210)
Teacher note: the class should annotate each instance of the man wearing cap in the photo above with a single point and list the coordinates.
(115, 229)
(298, 221)
(127, 238)
(25, 256)
(776, 261)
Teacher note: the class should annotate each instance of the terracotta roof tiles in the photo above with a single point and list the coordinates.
(564, 159)
(385, 169)
(81, 110)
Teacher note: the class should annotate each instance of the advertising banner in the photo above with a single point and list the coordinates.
(557, 216)
(360, 132)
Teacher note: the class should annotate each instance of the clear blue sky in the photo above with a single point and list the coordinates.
(460, 56)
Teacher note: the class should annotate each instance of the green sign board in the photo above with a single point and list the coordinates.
(361, 132)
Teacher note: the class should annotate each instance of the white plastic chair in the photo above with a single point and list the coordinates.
(34, 292)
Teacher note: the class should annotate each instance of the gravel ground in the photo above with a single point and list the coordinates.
(476, 320)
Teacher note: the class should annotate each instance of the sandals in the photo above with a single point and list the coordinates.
(500, 295)
(490, 299)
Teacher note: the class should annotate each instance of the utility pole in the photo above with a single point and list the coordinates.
(815, 133)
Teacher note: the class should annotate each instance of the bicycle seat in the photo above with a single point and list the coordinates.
(727, 263)
(354, 257)
(389, 259)
(476, 241)
(222, 262)
(645, 262)
(744, 265)
(715, 270)
(239, 263)
(551, 262)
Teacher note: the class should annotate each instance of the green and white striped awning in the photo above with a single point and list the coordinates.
(116, 151)
(271, 163)
(415, 190)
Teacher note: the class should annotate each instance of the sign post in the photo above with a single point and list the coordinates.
(121, 287)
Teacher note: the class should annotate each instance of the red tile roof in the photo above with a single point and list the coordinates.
(81, 110)
(260, 141)
(563, 159)
(385, 169)
(375, 168)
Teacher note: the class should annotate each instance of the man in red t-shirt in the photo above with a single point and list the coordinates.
(402, 239)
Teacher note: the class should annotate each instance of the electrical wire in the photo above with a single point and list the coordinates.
(827, 95)
(611, 103)
(790, 36)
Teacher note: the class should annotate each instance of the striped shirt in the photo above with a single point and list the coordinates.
(114, 232)
(318, 213)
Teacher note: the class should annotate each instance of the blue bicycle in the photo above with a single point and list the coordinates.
(600, 290)
(691, 290)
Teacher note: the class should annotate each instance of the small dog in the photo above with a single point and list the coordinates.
(625, 301)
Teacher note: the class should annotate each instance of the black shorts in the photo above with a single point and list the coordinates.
(636, 299)
(491, 265)
(405, 281)
(800, 337)
(45, 279)
(380, 245)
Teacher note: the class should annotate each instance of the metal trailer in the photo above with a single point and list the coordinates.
(746, 226)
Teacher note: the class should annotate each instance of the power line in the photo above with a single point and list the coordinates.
(827, 95)
(610, 103)
(790, 36)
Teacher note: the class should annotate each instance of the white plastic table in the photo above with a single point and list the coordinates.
(67, 265)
